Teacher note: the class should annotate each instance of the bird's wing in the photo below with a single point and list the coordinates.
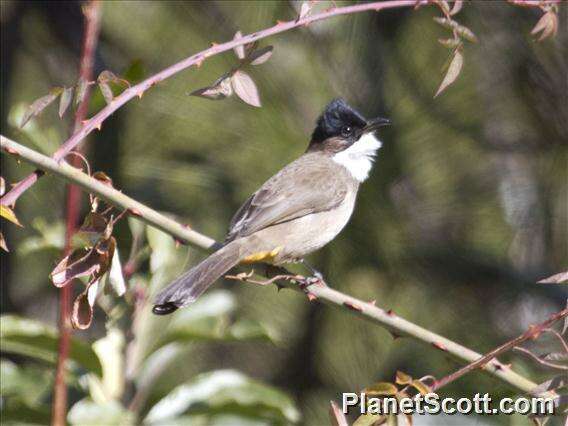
(288, 195)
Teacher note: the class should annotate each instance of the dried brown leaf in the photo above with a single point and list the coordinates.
(560, 278)
(109, 77)
(421, 387)
(458, 4)
(548, 24)
(245, 88)
(450, 43)
(336, 416)
(40, 104)
(82, 314)
(381, 388)
(260, 56)
(453, 72)
(3, 244)
(81, 91)
(239, 50)
(106, 91)
(403, 378)
(65, 100)
(8, 214)
(304, 10)
(219, 90)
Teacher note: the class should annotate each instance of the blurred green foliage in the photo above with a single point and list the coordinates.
(464, 210)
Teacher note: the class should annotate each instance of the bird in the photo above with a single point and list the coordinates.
(297, 211)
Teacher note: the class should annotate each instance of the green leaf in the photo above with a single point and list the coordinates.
(17, 412)
(26, 383)
(163, 249)
(208, 319)
(227, 392)
(86, 412)
(37, 340)
(51, 236)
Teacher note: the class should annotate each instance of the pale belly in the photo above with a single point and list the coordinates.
(296, 239)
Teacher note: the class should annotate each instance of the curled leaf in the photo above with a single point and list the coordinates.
(458, 4)
(382, 388)
(421, 387)
(82, 314)
(245, 88)
(40, 104)
(221, 89)
(109, 77)
(65, 100)
(453, 72)
(548, 24)
(403, 378)
(239, 50)
(8, 214)
(260, 56)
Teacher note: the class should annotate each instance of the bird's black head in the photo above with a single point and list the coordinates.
(339, 126)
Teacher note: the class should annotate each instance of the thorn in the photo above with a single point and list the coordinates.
(98, 126)
(373, 302)
(140, 94)
(213, 44)
(199, 62)
(390, 313)
(311, 297)
(279, 22)
(352, 306)
(135, 212)
(85, 121)
(11, 150)
(186, 226)
(440, 346)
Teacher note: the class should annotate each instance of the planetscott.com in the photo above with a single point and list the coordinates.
(433, 404)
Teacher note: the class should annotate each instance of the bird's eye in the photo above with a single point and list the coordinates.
(346, 131)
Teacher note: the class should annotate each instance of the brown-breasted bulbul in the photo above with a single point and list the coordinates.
(297, 211)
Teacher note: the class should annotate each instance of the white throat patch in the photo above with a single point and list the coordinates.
(359, 157)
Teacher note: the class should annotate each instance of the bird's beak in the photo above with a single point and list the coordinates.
(375, 123)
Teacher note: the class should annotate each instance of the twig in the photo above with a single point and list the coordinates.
(489, 360)
(538, 360)
(327, 295)
(195, 60)
(92, 12)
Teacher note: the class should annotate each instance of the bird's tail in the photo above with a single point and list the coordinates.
(189, 286)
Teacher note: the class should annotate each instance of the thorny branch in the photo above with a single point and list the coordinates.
(532, 333)
(10, 198)
(324, 294)
(92, 13)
